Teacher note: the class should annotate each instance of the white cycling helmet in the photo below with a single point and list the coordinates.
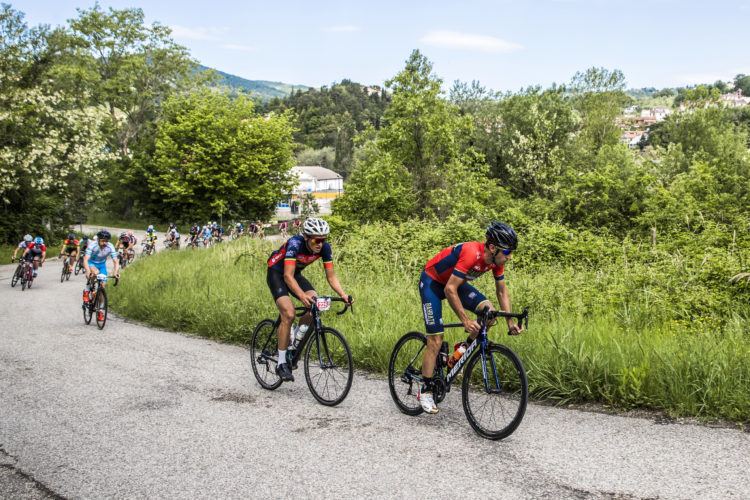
(315, 226)
(150, 228)
(28, 238)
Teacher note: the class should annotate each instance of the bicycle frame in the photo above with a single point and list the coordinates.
(315, 326)
(481, 342)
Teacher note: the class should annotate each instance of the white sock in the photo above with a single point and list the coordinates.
(282, 357)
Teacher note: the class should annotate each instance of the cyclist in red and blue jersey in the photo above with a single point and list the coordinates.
(446, 276)
(284, 276)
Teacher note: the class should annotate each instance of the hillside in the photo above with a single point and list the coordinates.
(263, 89)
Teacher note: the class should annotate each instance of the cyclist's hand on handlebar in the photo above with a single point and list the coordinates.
(349, 299)
(117, 276)
(306, 300)
(514, 329)
(472, 327)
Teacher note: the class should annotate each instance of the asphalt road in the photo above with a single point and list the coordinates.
(131, 411)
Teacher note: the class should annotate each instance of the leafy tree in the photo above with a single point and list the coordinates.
(50, 151)
(130, 68)
(381, 189)
(423, 132)
(598, 96)
(665, 92)
(742, 82)
(216, 157)
(310, 206)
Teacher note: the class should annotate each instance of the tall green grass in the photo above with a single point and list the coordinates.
(599, 334)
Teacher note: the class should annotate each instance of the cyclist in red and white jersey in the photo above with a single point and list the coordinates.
(446, 276)
(37, 251)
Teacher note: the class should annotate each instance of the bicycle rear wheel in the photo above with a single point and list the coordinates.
(101, 307)
(405, 372)
(328, 366)
(264, 355)
(495, 405)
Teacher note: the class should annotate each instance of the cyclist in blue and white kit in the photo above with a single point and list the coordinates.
(95, 260)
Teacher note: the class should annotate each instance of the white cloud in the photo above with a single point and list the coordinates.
(246, 48)
(341, 29)
(199, 33)
(468, 41)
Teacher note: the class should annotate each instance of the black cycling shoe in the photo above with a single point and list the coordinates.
(284, 372)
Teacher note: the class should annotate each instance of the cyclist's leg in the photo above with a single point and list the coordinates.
(432, 295)
(472, 300)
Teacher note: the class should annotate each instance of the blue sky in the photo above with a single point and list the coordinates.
(506, 45)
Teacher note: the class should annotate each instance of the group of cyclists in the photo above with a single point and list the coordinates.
(446, 276)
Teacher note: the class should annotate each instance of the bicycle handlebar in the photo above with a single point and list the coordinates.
(347, 305)
(523, 318)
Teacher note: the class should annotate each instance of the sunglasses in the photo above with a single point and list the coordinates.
(505, 252)
(318, 241)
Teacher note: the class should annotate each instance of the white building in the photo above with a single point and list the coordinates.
(324, 184)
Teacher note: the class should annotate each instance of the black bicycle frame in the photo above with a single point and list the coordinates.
(315, 326)
(481, 341)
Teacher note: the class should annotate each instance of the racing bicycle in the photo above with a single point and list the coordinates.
(65, 274)
(326, 355)
(97, 301)
(494, 390)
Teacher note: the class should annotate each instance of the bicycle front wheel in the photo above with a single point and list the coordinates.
(328, 366)
(495, 392)
(405, 372)
(79, 266)
(101, 307)
(16, 276)
(264, 355)
(64, 271)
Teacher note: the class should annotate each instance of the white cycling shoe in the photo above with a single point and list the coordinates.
(427, 402)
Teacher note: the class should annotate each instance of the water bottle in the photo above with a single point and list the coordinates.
(460, 350)
(292, 334)
(300, 334)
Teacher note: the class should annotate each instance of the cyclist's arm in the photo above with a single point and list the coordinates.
(503, 298)
(44, 257)
(86, 264)
(25, 251)
(451, 293)
(334, 282)
(117, 266)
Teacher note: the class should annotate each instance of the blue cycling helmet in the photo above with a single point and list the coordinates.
(39, 240)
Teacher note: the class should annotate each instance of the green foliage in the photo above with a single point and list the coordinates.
(742, 82)
(215, 156)
(598, 97)
(379, 190)
(610, 194)
(49, 150)
(332, 117)
(310, 206)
